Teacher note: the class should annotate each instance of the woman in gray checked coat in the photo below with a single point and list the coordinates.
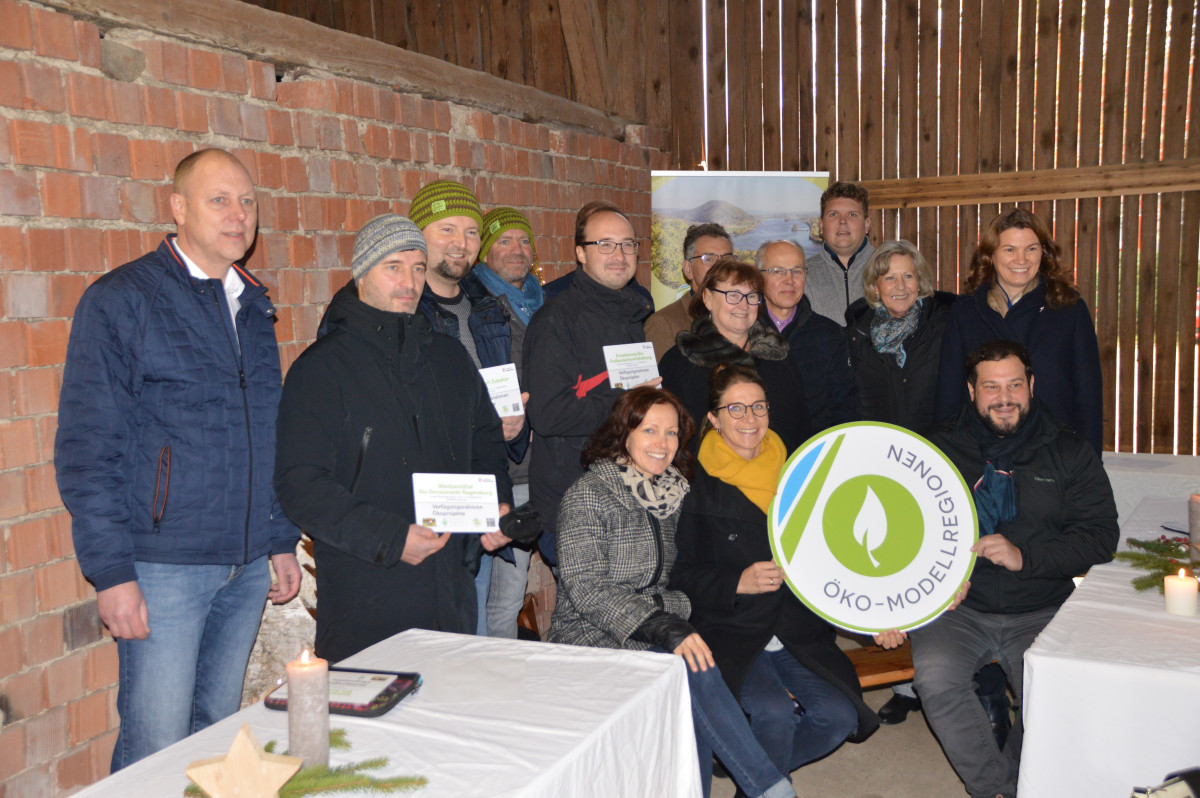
(616, 548)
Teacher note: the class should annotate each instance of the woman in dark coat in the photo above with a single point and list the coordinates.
(769, 647)
(616, 551)
(1019, 289)
(727, 330)
(895, 335)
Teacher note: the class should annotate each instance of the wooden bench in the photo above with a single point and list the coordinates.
(877, 667)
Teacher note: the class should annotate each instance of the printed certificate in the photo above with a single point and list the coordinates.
(630, 364)
(503, 388)
(456, 502)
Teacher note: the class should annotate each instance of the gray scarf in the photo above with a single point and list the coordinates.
(662, 495)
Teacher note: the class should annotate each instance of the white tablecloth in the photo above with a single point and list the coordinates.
(1112, 684)
(494, 718)
(1135, 476)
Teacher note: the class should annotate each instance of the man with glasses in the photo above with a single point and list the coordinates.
(703, 245)
(565, 369)
(816, 343)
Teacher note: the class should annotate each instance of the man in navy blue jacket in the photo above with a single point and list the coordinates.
(165, 453)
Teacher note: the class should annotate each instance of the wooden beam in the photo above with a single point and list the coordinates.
(268, 36)
(583, 30)
(1158, 177)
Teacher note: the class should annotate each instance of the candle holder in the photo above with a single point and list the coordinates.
(308, 709)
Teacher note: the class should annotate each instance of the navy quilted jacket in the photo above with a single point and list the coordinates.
(165, 449)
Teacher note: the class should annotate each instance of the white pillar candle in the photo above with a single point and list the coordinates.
(308, 709)
(1181, 592)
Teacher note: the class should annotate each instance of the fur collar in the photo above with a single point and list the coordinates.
(705, 346)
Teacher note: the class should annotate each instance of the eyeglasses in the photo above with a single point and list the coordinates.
(609, 247)
(734, 297)
(708, 258)
(738, 410)
(779, 271)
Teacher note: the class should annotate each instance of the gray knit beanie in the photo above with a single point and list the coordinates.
(381, 237)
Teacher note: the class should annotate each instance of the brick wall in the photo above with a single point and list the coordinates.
(91, 126)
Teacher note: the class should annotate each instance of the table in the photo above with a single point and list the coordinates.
(1112, 684)
(1135, 476)
(494, 718)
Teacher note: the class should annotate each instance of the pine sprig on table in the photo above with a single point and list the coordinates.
(1160, 557)
(319, 779)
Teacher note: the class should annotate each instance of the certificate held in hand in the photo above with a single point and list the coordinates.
(630, 364)
(456, 502)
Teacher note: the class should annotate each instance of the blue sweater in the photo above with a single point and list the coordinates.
(1062, 344)
(166, 425)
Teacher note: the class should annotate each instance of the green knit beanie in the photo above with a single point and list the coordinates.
(441, 199)
(496, 221)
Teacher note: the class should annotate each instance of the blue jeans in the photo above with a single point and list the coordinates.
(790, 738)
(483, 584)
(188, 673)
(946, 655)
(721, 728)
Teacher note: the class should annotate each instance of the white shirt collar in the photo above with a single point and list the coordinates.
(234, 284)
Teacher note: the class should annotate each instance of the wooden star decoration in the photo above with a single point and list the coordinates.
(245, 772)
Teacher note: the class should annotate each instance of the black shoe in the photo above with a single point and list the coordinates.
(897, 709)
(997, 712)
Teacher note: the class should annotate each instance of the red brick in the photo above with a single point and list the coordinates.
(193, 112)
(19, 193)
(441, 150)
(60, 194)
(269, 167)
(100, 666)
(73, 770)
(84, 250)
(18, 441)
(46, 249)
(315, 94)
(262, 80)
(46, 735)
(12, 739)
(100, 750)
(138, 202)
(36, 390)
(254, 122)
(146, 160)
(47, 342)
(352, 137)
(224, 116)
(176, 151)
(10, 651)
(117, 250)
(124, 102)
(54, 35)
(47, 429)
(158, 107)
(16, 32)
(306, 129)
(175, 59)
(204, 69)
(41, 638)
(72, 148)
(343, 96)
(85, 95)
(30, 142)
(329, 133)
(233, 73)
(89, 44)
(40, 87)
(12, 354)
(17, 589)
(63, 679)
(6, 411)
(279, 127)
(88, 717)
(287, 213)
(366, 176)
(295, 175)
(101, 199)
(343, 177)
(26, 698)
(42, 489)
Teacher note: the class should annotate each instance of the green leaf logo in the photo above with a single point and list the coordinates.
(873, 525)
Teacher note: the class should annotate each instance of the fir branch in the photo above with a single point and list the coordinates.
(1160, 557)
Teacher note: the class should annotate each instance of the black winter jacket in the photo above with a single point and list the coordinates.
(720, 534)
(378, 398)
(567, 379)
(686, 367)
(886, 392)
(818, 345)
(1066, 516)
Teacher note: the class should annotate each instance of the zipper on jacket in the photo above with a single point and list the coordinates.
(658, 550)
(362, 454)
(237, 354)
(164, 463)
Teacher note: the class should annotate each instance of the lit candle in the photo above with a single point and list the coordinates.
(1181, 592)
(308, 709)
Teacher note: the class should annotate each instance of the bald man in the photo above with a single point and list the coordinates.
(165, 454)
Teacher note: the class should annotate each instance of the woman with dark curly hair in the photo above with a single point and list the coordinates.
(616, 549)
(1020, 290)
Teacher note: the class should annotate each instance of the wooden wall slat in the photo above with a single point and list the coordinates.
(847, 93)
(1046, 95)
(824, 94)
(772, 100)
(752, 88)
(715, 149)
(550, 71)
(737, 78)
(1189, 271)
(873, 136)
(583, 29)
(968, 127)
(687, 83)
(1067, 120)
(947, 257)
(1009, 84)
(626, 60)
(1026, 82)
(993, 95)
(927, 164)
(796, 61)
(359, 17)
(908, 136)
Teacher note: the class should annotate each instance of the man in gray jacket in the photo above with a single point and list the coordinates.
(835, 273)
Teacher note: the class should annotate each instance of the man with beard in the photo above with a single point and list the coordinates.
(506, 272)
(458, 305)
(1046, 514)
(379, 397)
